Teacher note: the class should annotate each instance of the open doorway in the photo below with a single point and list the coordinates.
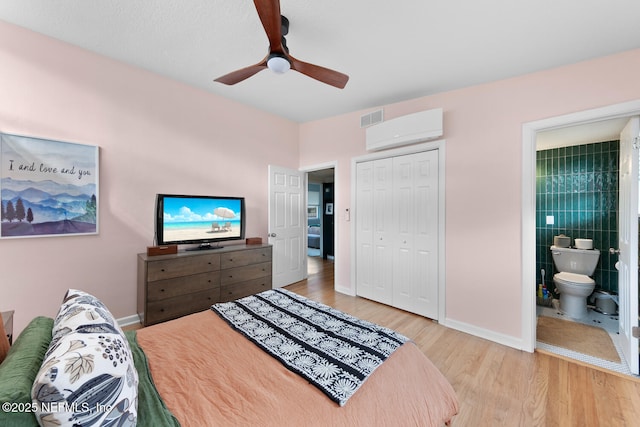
(320, 218)
(320, 213)
(531, 133)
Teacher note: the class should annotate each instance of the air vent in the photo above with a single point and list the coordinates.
(371, 118)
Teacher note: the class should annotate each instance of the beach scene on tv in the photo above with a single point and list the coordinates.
(200, 218)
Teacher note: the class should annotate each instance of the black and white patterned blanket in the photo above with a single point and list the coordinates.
(333, 350)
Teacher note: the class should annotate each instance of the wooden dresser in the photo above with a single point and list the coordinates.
(171, 286)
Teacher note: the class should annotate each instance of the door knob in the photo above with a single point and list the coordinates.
(272, 234)
(613, 251)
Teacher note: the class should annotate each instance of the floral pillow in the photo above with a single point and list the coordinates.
(83, 311)
(88, 375)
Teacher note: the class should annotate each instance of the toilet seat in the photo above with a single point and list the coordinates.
(573, 279)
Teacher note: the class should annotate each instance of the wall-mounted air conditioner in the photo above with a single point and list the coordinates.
(404, 130)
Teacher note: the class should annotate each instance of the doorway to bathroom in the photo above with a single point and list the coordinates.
(564, 210)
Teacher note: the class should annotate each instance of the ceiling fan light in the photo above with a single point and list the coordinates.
(278, 64)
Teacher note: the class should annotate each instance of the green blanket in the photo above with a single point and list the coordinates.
(19, 369)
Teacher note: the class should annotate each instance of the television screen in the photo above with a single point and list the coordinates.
(185, 219)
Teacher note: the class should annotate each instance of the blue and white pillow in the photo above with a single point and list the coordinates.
(88, 375)
(82, 311)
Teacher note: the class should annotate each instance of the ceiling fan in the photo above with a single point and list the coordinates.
(278, 59)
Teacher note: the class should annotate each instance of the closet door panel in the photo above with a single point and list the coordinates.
(404, 283)
(383, 231)
(426, 208)
(364, 230)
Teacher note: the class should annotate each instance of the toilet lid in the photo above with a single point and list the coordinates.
(579, 279)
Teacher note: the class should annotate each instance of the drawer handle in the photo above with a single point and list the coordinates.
(162, 310)
(162, 269)
(161, 290)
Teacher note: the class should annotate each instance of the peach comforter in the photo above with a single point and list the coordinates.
(210, 375)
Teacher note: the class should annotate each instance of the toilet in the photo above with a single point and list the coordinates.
(572, 280)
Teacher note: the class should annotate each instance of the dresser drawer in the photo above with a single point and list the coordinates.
(243, 289)
(169, 288)
(170, 308)
(246, 257)
(242, 274)
(174, 285)
(176, 267)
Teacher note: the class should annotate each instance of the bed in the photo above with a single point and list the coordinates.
(313, 236)
(204, 369)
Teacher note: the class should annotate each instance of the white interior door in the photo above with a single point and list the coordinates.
(627, 241)
(287, 219)
(416, 204)
(383, 229)
(374, 230)
(397, 231)
(364, 229)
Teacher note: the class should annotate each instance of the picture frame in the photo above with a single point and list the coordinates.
(312, 212)
(47, 187)
(329, 209)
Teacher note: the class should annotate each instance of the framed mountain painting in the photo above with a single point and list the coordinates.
(48, 188)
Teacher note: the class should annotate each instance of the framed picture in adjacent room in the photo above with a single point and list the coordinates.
(328, 210)
(312, 212)
(47, 187)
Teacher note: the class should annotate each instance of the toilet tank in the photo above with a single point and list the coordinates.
(580, 261)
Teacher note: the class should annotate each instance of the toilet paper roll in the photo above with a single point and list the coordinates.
(561, 241)
(584, 243)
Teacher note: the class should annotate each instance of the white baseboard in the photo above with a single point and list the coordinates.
(129, 320)
(507, 340)
(344, 290)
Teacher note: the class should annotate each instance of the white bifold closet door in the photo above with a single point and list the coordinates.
(374, 228)
(397, 232)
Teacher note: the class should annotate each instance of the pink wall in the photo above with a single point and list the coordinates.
(483, 132)
(155, 135)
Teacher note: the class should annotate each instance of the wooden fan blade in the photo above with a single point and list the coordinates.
(269, 13)
(324, 75)
(242, 74)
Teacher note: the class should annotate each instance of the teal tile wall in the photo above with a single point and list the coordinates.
(578, 185)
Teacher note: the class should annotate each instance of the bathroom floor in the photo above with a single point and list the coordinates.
(608, 322)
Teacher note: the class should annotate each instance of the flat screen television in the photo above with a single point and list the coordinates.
(201, 220)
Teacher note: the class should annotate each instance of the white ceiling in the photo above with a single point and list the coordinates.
(392, 50)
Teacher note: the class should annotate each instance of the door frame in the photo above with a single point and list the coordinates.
(528, 218)
(412, 149)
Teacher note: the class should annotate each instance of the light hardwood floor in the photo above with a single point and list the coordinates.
(496, 385)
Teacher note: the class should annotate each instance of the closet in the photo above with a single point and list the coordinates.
(397, 206)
